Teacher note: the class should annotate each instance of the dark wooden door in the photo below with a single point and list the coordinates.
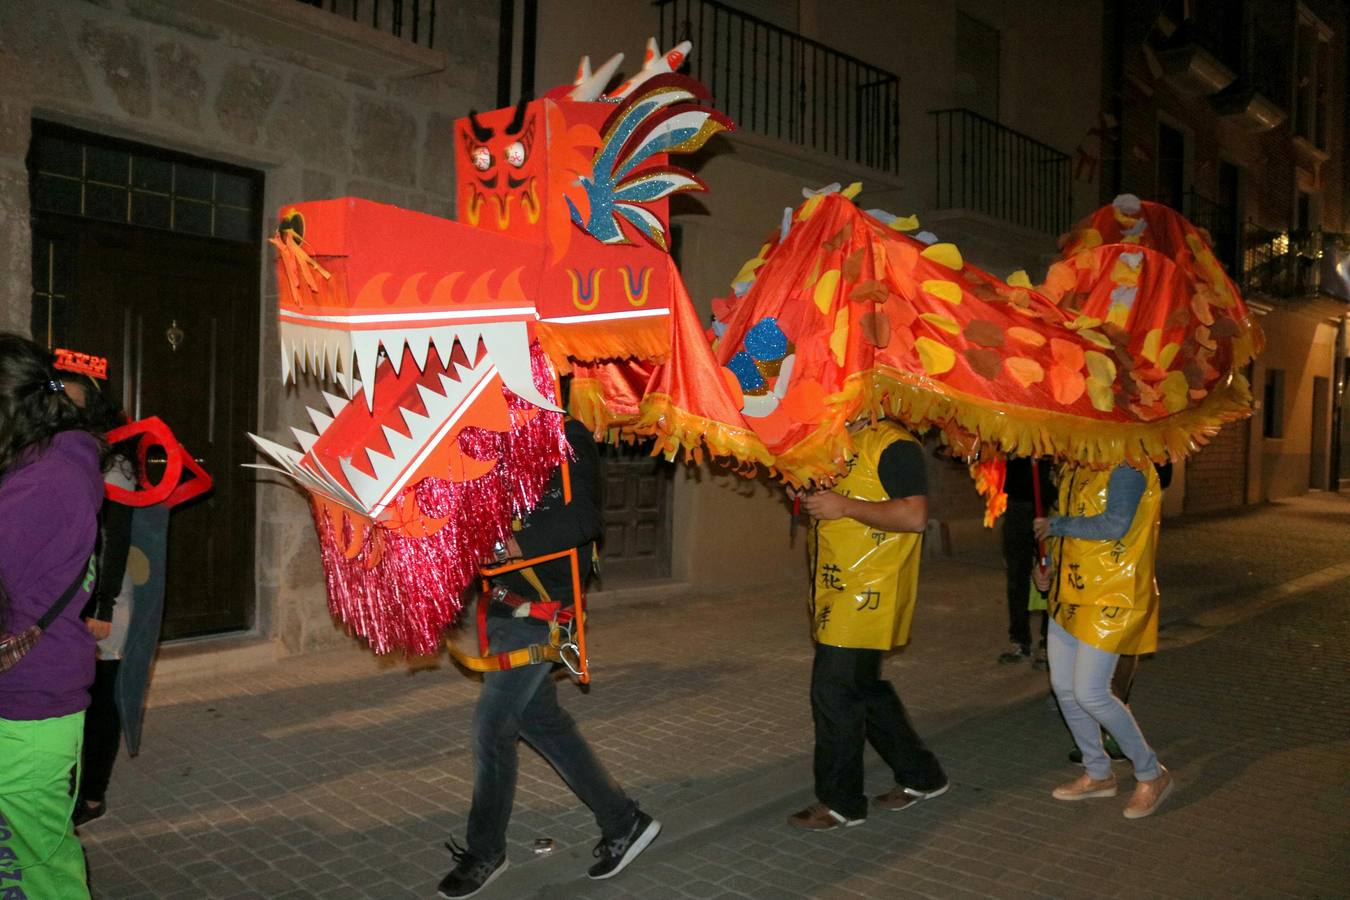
(637, 515)
(134, 290)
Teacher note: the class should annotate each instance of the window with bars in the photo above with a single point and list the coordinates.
(78, 174)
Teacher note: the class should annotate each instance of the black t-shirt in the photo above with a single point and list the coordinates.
(554, 525)
(903, 470)
(1019, 487)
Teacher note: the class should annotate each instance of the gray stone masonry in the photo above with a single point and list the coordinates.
(334, 775)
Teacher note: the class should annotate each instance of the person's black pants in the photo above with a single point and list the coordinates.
(102, 732)
(851, 705)
(1019, 553)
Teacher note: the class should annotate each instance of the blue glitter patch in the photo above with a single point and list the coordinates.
(766, 340)
(746, 372)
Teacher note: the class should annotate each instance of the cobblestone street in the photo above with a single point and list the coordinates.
(335, 776)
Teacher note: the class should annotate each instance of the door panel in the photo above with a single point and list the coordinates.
(637, 515)
(133, 286)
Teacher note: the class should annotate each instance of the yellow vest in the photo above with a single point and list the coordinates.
(865, 580)
(1106, 595)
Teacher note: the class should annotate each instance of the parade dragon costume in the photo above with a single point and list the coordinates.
(446, 339)
(1131, 349)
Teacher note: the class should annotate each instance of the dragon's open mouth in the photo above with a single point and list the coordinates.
(406, 405)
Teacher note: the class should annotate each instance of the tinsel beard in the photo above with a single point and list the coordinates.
(399, 592)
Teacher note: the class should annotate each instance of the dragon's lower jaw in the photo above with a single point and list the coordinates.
(408, 406)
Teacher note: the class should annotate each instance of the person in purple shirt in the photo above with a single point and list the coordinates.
(51, 488)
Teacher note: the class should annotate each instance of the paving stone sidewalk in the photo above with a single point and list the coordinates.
(333, 776)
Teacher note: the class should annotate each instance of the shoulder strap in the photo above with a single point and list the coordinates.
(64, 600)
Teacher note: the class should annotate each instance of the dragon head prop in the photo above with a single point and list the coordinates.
(444, 339)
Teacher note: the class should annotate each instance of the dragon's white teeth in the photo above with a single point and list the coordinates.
(304, 438)
(419, 426)
(386, 467)
(508, 346)
(286, 372)
(335, 403)
(443, 338)
(366, 488)
(393, 349)
(321, 421)
(284, 456)
(453, 390)
(366, 347)
(418, 342)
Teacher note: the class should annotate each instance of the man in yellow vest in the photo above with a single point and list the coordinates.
(865, 575)
(1103, 603)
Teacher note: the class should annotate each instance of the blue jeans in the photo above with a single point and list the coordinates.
(523, 703)
(1081, 678)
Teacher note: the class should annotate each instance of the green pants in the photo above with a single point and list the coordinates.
(40, 857)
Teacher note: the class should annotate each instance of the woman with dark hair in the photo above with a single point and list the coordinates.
(51, 488)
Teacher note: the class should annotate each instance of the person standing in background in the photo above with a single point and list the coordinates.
(108, 612)
(1021, 553)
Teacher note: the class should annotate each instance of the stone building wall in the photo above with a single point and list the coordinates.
(189, 76)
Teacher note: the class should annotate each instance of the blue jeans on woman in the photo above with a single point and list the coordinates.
(1080, 675)
(523, 703)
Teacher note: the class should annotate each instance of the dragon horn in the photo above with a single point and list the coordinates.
(657, 64)
(593, 86)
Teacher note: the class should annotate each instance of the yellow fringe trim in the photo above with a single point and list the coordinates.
(646, 339)
(676, 431)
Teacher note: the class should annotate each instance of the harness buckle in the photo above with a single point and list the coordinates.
(570, 654)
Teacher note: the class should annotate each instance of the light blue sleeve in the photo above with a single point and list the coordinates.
(1123, 493)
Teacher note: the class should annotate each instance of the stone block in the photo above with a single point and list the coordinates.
(16, 109)
(247, 93)
(181, 85)
(118, 58)
(16, 251)
(35, 35)
(438, 156)
(377, 191)
(314, 125)
(384, 142)
(316, 185)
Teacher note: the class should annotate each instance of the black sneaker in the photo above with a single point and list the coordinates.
(1015, 653)
(87, 811)
(615, 855)
(470, 874)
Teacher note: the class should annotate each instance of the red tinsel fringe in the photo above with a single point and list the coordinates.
(400, 592)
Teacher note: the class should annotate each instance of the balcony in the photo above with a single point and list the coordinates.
(776, 83)
(410, 20)
(380, 38)
(1296, 264)
(988, 168)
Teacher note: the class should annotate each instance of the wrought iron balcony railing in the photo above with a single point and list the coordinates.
(412, 20)
(1296, 264)
(777, 83)
(988, 168)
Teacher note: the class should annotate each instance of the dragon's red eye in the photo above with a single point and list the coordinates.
(482, 158)
(515, 154)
